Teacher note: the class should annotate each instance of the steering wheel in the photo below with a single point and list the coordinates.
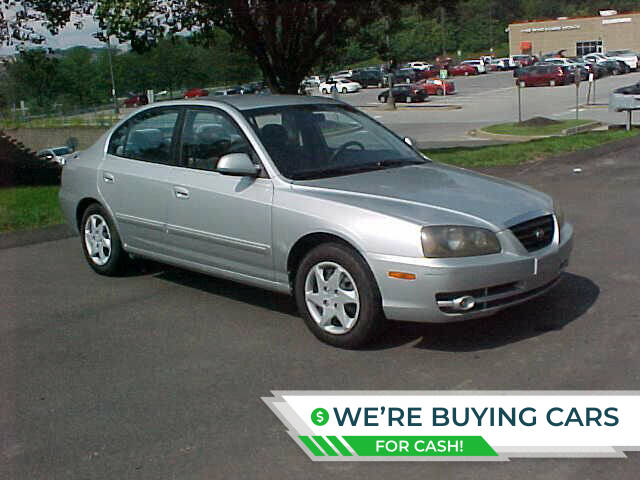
(343, 147)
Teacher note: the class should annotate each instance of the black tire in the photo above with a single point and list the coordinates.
(439, 92)
(382, 99)
(118, 258)
(370, 320)
(344, 90)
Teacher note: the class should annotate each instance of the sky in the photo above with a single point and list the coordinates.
(67, 37)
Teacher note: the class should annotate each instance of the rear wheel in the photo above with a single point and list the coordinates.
(552, 83)
(344, 90)
(440, 92)
(382, 99)
(409, 99)
(101, 242)
(338, 297)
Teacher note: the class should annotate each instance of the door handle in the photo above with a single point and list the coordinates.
(108, 178)
(181, 193)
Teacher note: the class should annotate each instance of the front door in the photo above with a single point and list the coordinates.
(219, 220)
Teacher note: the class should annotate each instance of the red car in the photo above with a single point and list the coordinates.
(136, 100)
(543, 75)
(434, 86)
(196, 92)
(462, 69)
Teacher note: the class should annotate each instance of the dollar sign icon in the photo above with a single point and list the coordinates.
(320, 416)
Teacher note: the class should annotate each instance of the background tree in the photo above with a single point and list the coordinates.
(285, 37)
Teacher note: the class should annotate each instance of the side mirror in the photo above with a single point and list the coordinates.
(410, 141)
(238, 165)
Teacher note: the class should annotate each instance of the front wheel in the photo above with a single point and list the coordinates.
(382, 99)
(338, 297)
(439, 92)
(101, 242)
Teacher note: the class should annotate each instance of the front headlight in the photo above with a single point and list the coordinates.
(453, 241)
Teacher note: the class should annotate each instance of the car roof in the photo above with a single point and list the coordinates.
(250, 102)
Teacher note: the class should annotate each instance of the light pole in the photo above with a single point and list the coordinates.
(113, 81)
(442, 15)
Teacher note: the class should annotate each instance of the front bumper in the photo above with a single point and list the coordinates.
(495, 281)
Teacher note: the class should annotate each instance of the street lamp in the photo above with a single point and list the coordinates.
(113, 81)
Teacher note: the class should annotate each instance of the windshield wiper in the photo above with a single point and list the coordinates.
(350, 170)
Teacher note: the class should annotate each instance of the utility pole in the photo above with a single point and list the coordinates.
(442, 19)
(113, 81)
(491, 26)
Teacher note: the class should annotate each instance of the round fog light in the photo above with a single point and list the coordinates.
(466, 303)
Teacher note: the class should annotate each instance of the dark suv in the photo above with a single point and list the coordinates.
(368, 78)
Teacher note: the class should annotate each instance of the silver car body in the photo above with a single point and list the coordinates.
(245, 229)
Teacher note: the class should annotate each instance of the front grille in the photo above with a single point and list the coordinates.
(535, 234)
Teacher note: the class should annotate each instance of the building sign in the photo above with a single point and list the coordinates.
(551, 29)
(616, 20)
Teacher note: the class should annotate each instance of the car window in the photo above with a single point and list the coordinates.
(207, 135)
(148, 136)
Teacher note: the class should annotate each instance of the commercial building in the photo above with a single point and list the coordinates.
(576, 36)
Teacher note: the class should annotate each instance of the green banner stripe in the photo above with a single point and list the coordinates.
(416, 446)
(325, 446)
(335, 441)
(311, 446)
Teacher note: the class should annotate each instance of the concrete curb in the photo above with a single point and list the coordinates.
(526, 138)
(30, 237)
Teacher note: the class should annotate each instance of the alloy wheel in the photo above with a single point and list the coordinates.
(97, 239)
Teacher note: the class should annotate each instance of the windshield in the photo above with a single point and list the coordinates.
(316, 141)
(62, 151)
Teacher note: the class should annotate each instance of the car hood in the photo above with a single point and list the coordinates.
(435, 194)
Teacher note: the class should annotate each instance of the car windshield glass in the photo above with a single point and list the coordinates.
(316, 141)
(62, 151)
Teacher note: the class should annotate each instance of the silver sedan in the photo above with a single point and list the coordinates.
(311, 197)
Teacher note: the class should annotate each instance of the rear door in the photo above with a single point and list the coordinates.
(134, 176)
(218, 220)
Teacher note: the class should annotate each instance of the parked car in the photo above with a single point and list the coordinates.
(342, 85)
(507, 63)
(538, 75)
(523, 60)
(627, 56)
(435, 86)
(405, 93)
(196, 92)
(136, 100)
(615, 67)
(477, 64)
(462, 69)
(573, 69)
(595, 57)
(310, 197)
(419, 65)
(56, 155)
(408, 75)
(368, 78)
(342, 74)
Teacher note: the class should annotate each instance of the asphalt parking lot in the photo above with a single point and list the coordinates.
(159, 374)
(485, 100)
